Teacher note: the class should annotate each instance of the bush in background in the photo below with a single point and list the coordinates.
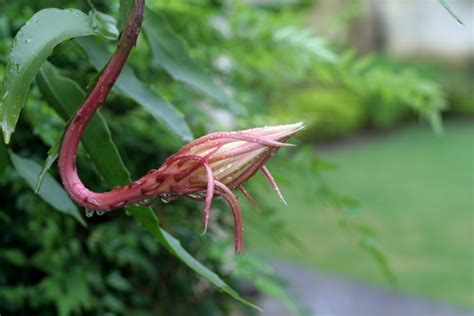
(328, 112)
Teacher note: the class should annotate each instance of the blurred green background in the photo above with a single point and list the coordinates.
(380, 188)
(420, 207)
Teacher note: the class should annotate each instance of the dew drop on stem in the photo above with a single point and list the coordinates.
(145, 202)
(89, 212)
(167, 197)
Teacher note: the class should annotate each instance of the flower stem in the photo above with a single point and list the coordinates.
(68, 153)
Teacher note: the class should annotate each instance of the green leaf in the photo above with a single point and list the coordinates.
(53, 154)
(117, 281)
(65, 96)
(3, 156)
(130, 86)
(62, 94)
(14, 256)
(104, 24)
(32, 45)
(451, 12)
(302, 39)
(169, 51)
(52, 192)
(370, 245)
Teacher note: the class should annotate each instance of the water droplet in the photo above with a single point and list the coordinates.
(27, 40)
(100, 213)
(145, 202)
(5, 95)
(89, 212)
(167, 197)
(198, 195)
(164, 200)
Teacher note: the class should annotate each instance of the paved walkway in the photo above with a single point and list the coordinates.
(323, 295)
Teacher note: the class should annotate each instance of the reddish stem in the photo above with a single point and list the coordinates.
(68, 154)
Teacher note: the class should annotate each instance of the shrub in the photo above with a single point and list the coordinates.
(328, 112)
(392, 91)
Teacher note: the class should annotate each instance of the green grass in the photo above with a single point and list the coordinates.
(414, 188)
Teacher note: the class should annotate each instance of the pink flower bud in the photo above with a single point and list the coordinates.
(215, 164)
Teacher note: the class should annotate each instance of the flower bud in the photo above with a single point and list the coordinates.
(215, 164)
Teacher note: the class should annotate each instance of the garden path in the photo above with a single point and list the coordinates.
(325, 295)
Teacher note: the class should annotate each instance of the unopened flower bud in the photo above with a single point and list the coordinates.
(215, 164)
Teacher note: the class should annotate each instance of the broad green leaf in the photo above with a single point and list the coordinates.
(169, 51)
(65, 96)
(130, 86)
(32, 45)
(451, 12)
(51, 192)
(3, 156)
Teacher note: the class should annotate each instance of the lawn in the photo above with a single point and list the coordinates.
(416, 189)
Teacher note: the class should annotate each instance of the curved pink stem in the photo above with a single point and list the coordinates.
(68, 155)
